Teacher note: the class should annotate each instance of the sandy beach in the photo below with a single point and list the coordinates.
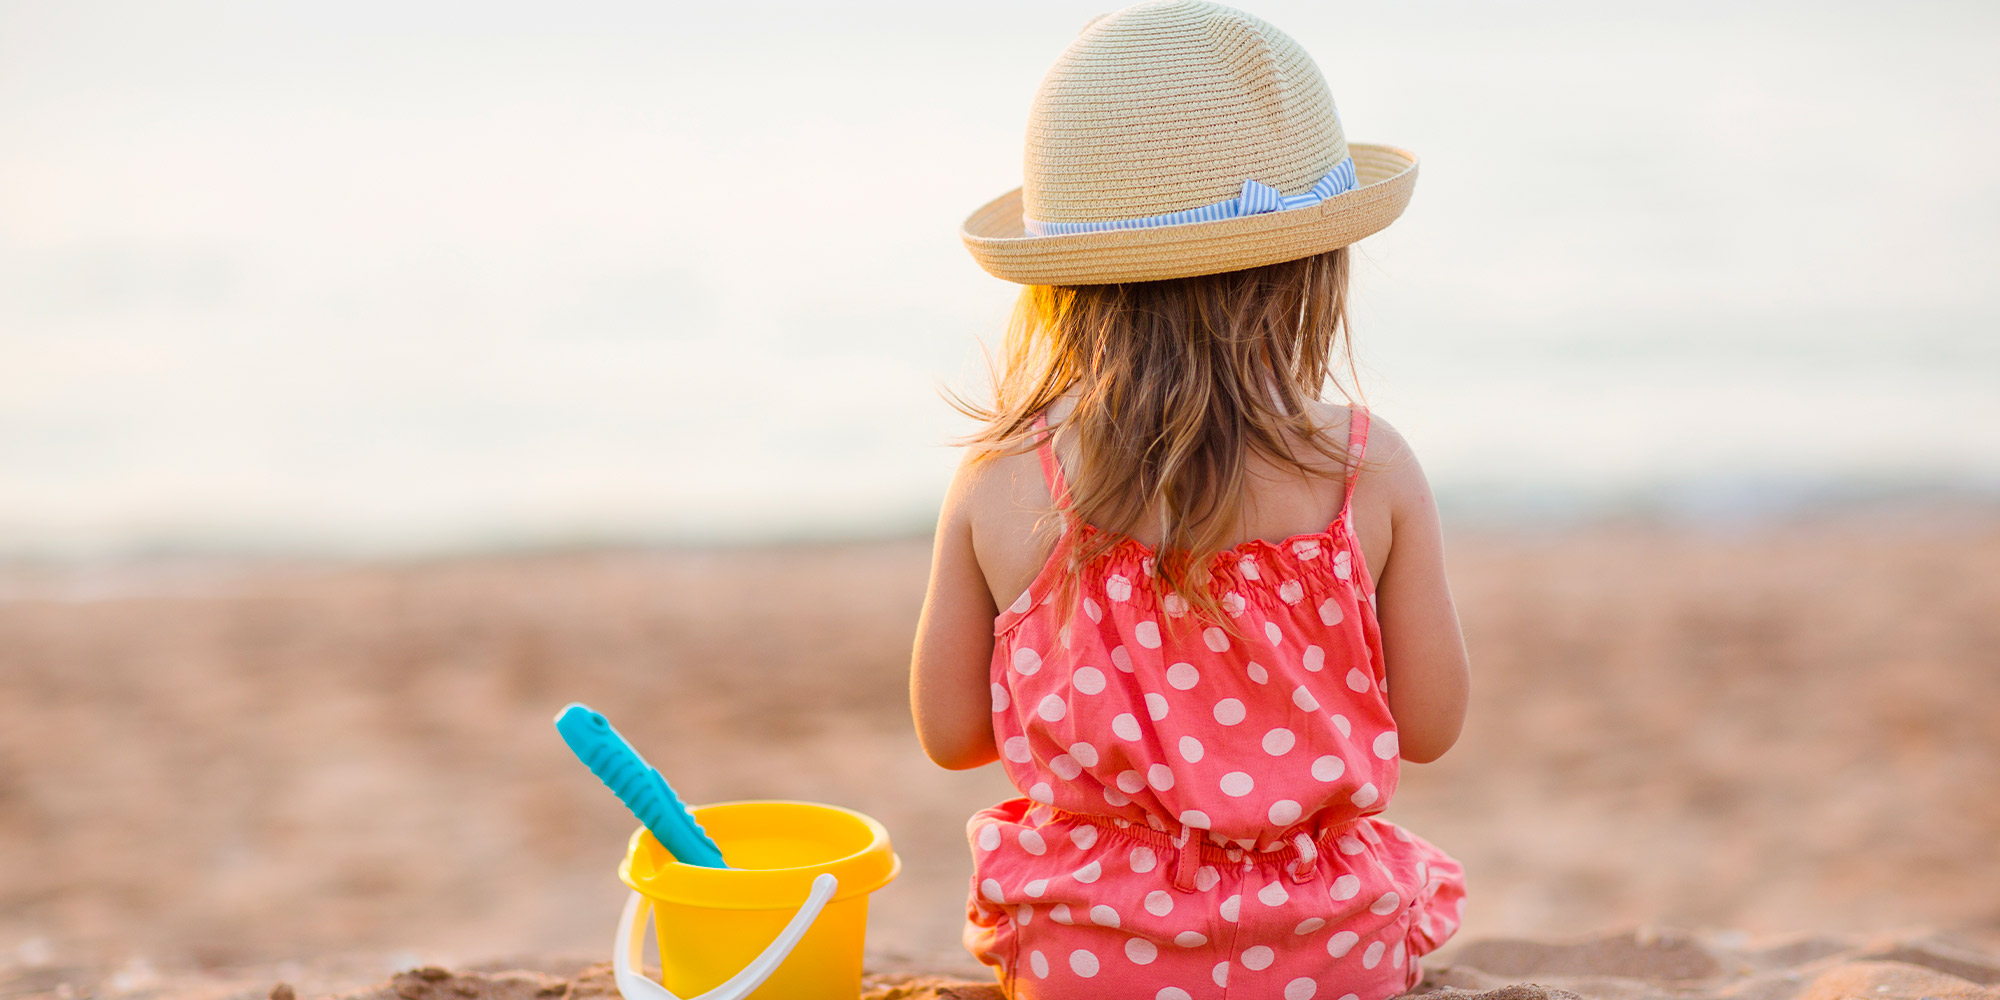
(1754, 761)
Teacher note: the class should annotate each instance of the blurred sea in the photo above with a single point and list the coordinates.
(399, 278)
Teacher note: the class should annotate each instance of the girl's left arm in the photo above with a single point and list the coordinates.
(949, 690)
(1422, 643)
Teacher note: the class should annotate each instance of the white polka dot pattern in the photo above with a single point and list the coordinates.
(1027, 661)
(1148, 700)
(1083, 963)
(1147, 634)
(1088, 680)
(1126, 726)
(1230, 711)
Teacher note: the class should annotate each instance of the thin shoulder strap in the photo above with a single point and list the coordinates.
(1357, 445)
(1051, 470)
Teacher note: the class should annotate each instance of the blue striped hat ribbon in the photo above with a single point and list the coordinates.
(1256, 198)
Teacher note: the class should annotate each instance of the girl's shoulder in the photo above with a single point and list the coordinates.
(1006, 505)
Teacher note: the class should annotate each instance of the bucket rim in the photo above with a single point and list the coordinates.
(673, 881)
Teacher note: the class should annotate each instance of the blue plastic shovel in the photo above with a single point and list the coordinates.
(638, 785)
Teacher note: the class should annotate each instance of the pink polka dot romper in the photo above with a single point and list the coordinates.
(1199, 819)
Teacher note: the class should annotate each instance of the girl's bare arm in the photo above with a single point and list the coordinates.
(1429, 679)
(949, 690)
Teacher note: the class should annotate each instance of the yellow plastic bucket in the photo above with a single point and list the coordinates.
(785, 922)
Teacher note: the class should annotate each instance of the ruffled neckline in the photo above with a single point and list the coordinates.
(1232, 554)
(1277, 564)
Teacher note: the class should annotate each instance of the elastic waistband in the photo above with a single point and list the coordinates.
(1300, 848)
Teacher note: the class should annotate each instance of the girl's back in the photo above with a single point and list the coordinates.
(1194, 802)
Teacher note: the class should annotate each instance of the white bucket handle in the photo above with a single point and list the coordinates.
(629, 949)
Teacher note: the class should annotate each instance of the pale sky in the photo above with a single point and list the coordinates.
(393, 277)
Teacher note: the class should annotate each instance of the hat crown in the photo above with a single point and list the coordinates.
(1173, 104)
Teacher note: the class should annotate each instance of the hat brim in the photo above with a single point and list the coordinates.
(1385, 177)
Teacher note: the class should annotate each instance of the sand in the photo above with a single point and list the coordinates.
(215, 776)
(1645, 965)
(1650, 966)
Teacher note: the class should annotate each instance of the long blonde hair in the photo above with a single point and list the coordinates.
(1180, 381)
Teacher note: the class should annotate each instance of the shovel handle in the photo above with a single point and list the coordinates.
(638, 785)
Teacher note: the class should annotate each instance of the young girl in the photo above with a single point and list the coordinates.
(1196, 682)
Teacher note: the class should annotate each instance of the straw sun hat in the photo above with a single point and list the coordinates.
(1175, 138)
